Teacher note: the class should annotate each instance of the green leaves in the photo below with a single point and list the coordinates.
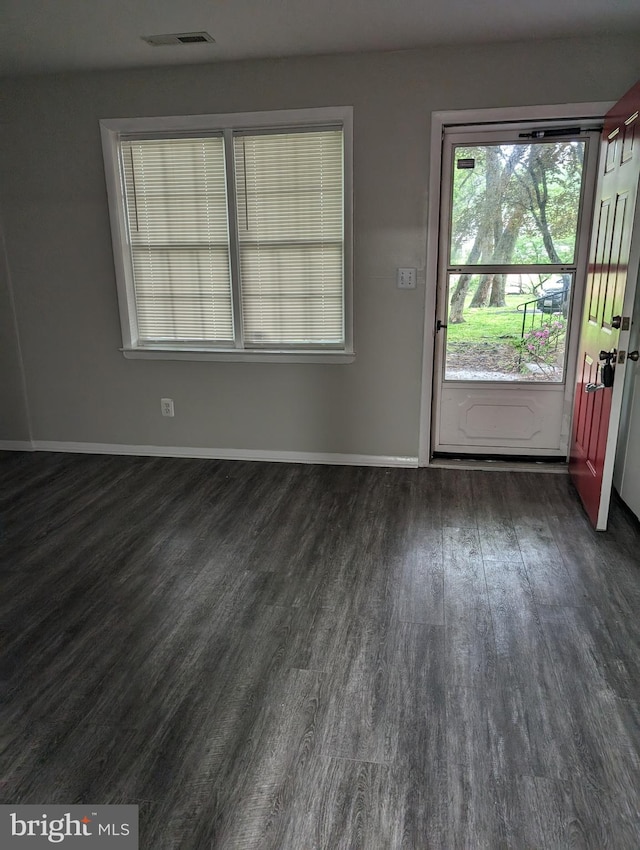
(519, 204)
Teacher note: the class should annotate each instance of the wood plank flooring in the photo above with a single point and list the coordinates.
(289, 657)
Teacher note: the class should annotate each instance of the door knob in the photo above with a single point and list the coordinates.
(633, 355)
(608, 355)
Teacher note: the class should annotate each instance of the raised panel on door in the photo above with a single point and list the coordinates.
(517, 422)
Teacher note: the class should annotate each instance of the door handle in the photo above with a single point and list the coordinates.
(633, 355)
(440, 325)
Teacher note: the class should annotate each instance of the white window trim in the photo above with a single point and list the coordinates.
(112, 129)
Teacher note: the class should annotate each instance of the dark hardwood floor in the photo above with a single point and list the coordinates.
(287, 657)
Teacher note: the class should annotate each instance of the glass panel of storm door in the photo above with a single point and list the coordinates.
(516, 203)
(507, 327)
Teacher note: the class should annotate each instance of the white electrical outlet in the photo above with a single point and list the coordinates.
(406, 278)
(166, 405)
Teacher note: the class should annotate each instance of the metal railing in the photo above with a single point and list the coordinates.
(535, 316)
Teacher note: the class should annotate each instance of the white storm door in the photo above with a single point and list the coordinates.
(511, 269)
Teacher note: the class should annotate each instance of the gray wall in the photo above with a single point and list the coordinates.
(14, 423)
(80, 388)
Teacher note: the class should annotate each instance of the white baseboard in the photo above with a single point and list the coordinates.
(16, 446)
(225, 454)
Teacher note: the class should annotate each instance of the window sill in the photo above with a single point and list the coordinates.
(240, 356)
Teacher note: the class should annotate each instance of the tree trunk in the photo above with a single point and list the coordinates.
(504, 254)
(490, 228)
(546, 236)
(537, 169)
(456, 309)
(481, 297)
(497, 291)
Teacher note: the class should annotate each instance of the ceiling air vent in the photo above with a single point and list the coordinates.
(178, 38)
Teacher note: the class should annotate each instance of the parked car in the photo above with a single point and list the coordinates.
(555, 298)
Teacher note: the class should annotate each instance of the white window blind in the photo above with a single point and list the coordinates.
(232, 234)
(176, 211)
(290, 219)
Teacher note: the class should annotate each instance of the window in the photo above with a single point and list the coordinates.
(232, 234)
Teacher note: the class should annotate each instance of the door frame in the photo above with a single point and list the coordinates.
(554, 400)
(631, 383)
(465, 118)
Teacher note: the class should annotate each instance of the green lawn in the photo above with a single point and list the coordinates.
(490, 323)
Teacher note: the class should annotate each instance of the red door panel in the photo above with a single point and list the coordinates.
(597, 413)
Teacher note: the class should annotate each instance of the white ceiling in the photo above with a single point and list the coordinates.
(61, 35)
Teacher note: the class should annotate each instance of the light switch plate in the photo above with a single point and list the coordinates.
(406, 278)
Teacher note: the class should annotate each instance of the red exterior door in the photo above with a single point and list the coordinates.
(607, 311)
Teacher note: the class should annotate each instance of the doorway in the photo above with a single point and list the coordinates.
(514, 219)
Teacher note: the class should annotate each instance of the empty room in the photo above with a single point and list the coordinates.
(320, 425)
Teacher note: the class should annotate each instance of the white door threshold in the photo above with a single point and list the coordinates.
(560, 467)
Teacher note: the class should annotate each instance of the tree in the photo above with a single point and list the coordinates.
(491, 288)
(518, 205)
(498, 174)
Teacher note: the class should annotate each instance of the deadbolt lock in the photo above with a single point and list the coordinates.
(607, 374)
(607, 369)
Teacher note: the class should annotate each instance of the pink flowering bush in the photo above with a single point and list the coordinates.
(541, 345)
